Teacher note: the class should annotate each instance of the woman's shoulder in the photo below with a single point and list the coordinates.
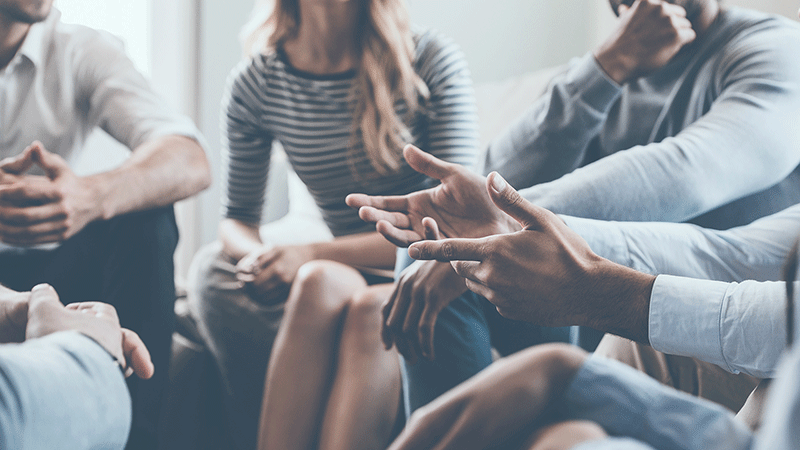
(435, 52)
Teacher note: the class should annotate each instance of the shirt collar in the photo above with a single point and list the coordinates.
(33, 47)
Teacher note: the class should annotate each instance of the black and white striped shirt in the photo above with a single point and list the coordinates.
(312, 117)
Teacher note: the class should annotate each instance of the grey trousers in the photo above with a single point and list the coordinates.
(239, 333)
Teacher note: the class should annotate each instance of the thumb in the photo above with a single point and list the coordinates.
(53, 164)
(18, 164)
(510, 202)
(42, 296)
(427, 164)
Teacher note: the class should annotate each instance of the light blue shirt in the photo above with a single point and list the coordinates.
(640, 413)
(729, 312)
(62, 391)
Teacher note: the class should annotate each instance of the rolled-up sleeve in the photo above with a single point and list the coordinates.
(740, 327)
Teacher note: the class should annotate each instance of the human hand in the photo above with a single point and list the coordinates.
(37, 210)
(505, 398)
(13, 315)
(270, 270)
(459, 204)
(99, 321)
(409, 315)
(649, 34)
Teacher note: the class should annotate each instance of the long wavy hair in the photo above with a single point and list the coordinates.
(385, 70)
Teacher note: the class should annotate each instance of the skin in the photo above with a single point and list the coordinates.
(545, 273)
(52, 208)
(38, 313)
(504, 399)
(649, 34)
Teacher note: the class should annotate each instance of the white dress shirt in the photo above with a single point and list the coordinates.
(716, 297)
(67, 79)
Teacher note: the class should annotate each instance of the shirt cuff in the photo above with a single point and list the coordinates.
(613, 443)
(685, 315)
(595, 88)
(604, 238)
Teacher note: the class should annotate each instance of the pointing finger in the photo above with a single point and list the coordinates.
(448, 250)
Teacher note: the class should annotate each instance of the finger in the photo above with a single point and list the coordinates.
(28, 194)
(104, 309)
(447, 250)
(468, 270)
(400, 305)
(686, 35)
(412, 320)
(397, 236)
(53, 164)
(12, 215)
(428, 164)
(431, 229)
(391, 203)
(622, 9)
(34, 234)
(427, 325)
(374, 215)
(42, 296)
(673, 9)
(18, 164)
(136, 354)
(386, 334)
(509, 201)
(406, 349)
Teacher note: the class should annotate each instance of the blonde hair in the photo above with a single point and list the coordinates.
(385, 71)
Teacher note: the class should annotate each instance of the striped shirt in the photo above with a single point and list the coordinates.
(312, 117)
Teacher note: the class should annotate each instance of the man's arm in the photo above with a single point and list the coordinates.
(62, 391)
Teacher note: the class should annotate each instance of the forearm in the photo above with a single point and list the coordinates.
(618, 300)
(159, 172)
(239, 238)
(62, 391)
(756, 251)
(552, 137)
(363, 250)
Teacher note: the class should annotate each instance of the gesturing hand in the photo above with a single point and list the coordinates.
(270, 270)
(459, 204)
(649, 34)
(99, 321)
(41, 209)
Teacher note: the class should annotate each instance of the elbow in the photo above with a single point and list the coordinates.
(197, 169)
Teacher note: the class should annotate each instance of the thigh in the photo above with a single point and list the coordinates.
(239, 333)
(690, 375)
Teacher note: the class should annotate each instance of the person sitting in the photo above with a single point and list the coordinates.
(700, 98)
(340, 85)
(63, 383)
(109, 235)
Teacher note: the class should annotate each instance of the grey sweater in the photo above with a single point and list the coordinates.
(713, 137)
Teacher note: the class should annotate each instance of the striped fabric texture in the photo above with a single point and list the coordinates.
(311, 116)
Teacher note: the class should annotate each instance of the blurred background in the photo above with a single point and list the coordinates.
(187, 48)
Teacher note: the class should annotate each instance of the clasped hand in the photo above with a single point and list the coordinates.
(39, 313)
(269, 271)
(42, 209)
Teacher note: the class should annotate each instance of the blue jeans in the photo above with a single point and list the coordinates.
(465, 332)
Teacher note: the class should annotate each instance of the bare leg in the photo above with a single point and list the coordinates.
(365, 397)
(565, 435)
(303, 357)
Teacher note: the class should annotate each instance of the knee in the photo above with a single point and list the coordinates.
(364, 310)
(211, 276)
(322, 288)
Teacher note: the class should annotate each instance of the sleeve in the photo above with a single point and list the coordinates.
(780, 429)
(630, 404)
(451, 111)
(62, 391)
(246, 146)
(744, 144)
(119, 99)
(553, 136)
(756, 251)
(740, 327)
(613, 443)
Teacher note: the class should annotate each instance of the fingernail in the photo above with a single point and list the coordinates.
(40, 287)
(498, 183)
